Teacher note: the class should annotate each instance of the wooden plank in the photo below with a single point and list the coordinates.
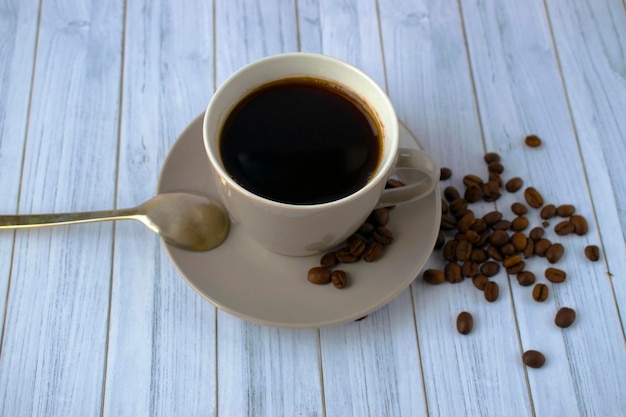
(430, 83)
(370, 367)
(520, 91)
(18, 30)
(261, 370)
(162, 334)
(591, 49)
(55, 335)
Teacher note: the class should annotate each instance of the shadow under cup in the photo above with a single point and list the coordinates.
(298, 228)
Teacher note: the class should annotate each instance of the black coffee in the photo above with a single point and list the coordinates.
(301, 141)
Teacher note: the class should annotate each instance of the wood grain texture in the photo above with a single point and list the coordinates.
(161, 356)
(51, 364)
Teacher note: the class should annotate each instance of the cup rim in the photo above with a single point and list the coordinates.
(389, 128)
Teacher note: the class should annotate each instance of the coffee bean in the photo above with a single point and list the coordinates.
(489, 268)
(464, 322)
(542, 246)
(445, 173)
(433, 276)
(493, 253)
(451, 193)
(548, 212)
(447, 222)
(516, 269)
(533, 359)
(495, 167)
(511, 260)
(499, 238)
(453, 273)
(480, 281)
(449, 250)
(519, 223)
(458, 205)
(514, 184)
(525, 278)
(491, 291)
(383, 235)
(555, 275)
(373, 252)
(490, 191)
(495, 178)
(329, 260)
(339, 278)
(394, 183)
(479, 225)
(473, 237)
(469, 269)
(565, 210)
(592, 252)
(540, 292)
(536, 233)
(533, 198)
(507, 249)
(519, 209)
(529, 250)
(502, 225)
(491, 157)
(554, 252)
(519, 241)
(379, 217)
(478, 255)
(472, 180)
(580, 224)
(367, 228)
(441, 240)
(345, 256)
(492, 217)
(465, 222)
(318, 275)
(564, 228)
(473, 194)
(463, 251)
(357, 244)
(532, 140)
(565, 317)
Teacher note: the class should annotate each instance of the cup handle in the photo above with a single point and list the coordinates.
(418, 170)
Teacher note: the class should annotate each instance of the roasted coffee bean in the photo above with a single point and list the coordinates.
(373, 252)
(444, 207)
(592, 252)
(491, 157)
(453, 273)
(536, 233)
(511, 260)
(463, 251)
(533, 198)
(554, 252)
(447, 222)
(491, 291)
(519, 223)
(484, 238)
(542, 246)
(480, 281)
(464, 322)
(345, 256)
(441, 240)
(383, 235)
(339, 278)
(469, 269)
(555, 275)
(502, 225)
(519, 241)
(433, 276)
(367, 228)
(449, 250)
(473, 194)
(564, 228)
(548, 212)
(357, 245)
(516, 269)
(493, 253)
(499, 238)
(495, 167)
(490, 191)
(478, 255)
(519, 209)
(507, 249)
(472, 180)
(489, 268)
(514, 184)
(457, 205)
(445, 173)
(533, 359)
(465, 222)
(318, 275)
(529, 250)
(495, 178)
(565, 317)
(525, 278)
(532, 140)
(379, 217)
(565, 210)
(540, 292)
(492, 217)
(329, 260)
(479, 225)
(451, 193)
(580, 224)
(394, 183)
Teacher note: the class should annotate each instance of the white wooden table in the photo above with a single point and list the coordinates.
(96, 321)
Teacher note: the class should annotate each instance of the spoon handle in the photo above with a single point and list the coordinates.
(21, 221)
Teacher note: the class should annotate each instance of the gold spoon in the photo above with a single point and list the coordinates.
(187, 221)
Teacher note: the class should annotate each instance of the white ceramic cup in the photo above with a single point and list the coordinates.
(301, 230)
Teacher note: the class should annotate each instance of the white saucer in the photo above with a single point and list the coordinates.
(260, 286)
